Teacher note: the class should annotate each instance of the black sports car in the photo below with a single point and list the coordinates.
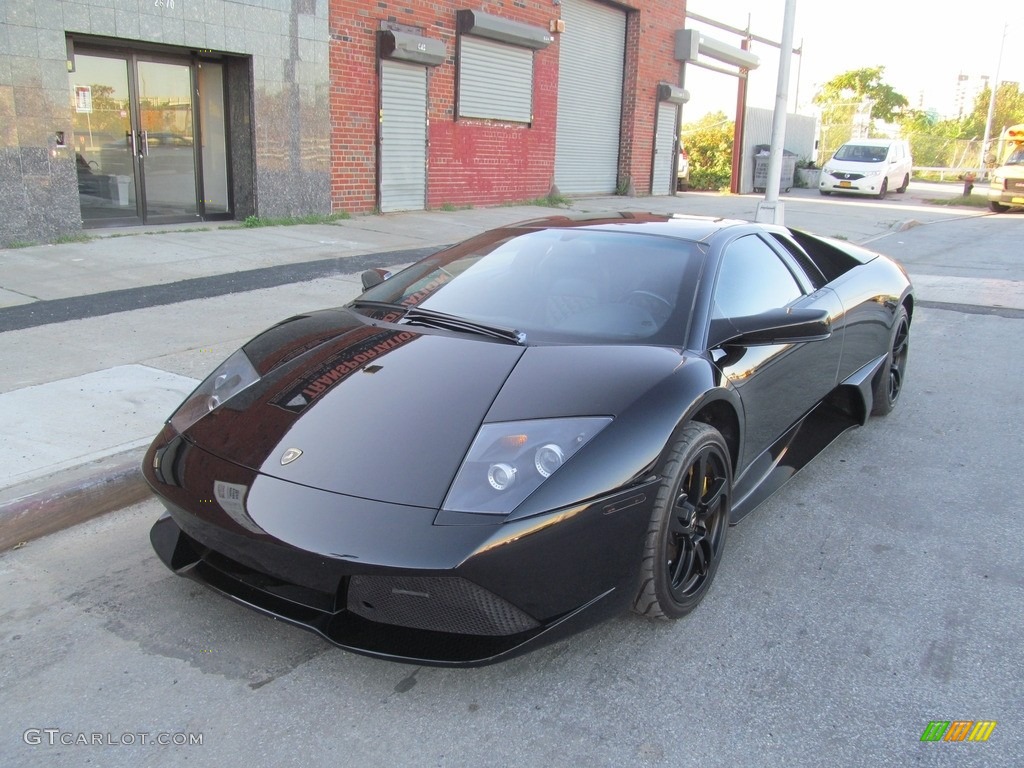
(525, 433)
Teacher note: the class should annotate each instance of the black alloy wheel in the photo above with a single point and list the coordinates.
(890, 380)
(686, 536)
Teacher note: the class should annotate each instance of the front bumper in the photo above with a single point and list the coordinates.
(1009, 193)
(386, 581)
(868, 185)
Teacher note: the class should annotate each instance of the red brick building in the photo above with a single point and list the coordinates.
(436, 103)
(311, 106)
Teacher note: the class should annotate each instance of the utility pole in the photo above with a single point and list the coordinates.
(771, 210)
(992, 103)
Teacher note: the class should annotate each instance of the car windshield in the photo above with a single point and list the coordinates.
(861, 153)
(1016, 157)
(557, 285)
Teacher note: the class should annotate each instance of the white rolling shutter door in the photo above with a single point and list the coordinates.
(403, 131)
(664, 143)
(590, 71)
(495, 80)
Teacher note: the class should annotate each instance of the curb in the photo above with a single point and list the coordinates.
(55, 502)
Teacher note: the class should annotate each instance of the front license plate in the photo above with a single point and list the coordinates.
(845, 184)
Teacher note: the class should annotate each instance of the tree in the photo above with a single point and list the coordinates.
(858, 96)
(956, 143)
(1009, 110)
(709, 145)
(858, 86)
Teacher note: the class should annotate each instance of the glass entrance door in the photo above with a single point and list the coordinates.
(138, 141)
(104, 140)
(166, 140)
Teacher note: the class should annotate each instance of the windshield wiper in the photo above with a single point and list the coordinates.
(432, 319)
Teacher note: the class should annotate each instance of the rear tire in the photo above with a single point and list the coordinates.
(906, 183)
(997, 207)
(889, 383)
(686, 535)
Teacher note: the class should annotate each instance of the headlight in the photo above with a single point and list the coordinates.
(508, 461)
(231, 377)
(827, 170)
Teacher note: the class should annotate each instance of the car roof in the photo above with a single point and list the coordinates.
(872, 142)
(682, 226)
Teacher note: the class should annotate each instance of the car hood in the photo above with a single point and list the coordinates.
(388, 413)
(854, 166)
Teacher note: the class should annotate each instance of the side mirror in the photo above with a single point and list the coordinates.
(776, 326)
(375, 276)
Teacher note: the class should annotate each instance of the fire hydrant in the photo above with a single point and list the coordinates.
(969, 178)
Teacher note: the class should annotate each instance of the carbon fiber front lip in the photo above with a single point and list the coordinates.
(356, 633)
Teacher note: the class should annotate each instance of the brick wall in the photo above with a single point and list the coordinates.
(354, 98)
(485, 162)
(481, 162)
(650, 45)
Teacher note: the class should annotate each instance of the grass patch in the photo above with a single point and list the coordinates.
(290, 221)
(79, 237)
(112, 235)
(973, 201)
(548, 201)
(20, 244)
(453, 207)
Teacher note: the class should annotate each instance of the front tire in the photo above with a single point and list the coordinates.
(889, 383)
(686, 535)
(883, 189)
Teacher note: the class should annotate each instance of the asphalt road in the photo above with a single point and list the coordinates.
(880, 590)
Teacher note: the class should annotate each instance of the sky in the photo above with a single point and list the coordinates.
(923, 46)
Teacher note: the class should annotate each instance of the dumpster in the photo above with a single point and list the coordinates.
(761, 152)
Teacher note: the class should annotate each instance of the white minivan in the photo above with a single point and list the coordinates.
(867, 167)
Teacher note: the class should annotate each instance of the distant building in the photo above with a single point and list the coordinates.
(182, 110)
(968, 88)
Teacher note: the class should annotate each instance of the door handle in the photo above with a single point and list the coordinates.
(145, 143)
(130, 135)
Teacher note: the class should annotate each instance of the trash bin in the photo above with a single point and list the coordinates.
(123, 189)
(761, 152)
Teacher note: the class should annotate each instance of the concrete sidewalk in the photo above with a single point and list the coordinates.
(81, 398)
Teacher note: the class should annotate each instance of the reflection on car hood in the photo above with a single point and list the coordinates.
(388, 413)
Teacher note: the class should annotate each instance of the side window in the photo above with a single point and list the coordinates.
(808, 267)
(752, 279)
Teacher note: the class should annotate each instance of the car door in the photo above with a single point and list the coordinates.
(777, 383)
(893, 167)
